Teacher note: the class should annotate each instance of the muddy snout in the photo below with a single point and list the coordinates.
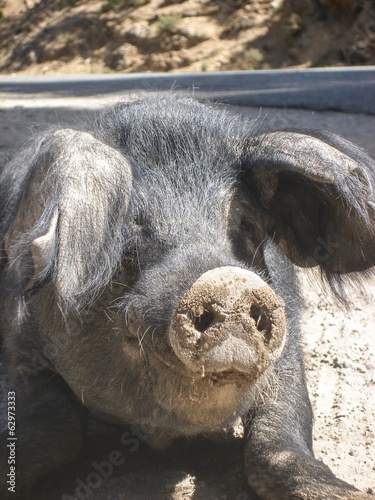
(229, 320)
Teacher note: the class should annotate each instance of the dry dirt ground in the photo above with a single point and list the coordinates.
(340, 361)
(77, 36)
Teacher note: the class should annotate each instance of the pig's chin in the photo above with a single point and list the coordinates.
(195, 402)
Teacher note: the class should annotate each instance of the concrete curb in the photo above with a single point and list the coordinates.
(349, 90)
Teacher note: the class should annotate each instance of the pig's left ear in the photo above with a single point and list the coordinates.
(317, 190)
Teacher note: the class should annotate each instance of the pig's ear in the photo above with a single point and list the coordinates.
(317, 190)
(69, 222)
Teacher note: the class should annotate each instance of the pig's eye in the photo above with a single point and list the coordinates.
(138, 220)
(248, 227)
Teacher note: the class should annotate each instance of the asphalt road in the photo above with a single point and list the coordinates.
(340, 89)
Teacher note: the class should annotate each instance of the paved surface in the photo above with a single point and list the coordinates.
(340, 89)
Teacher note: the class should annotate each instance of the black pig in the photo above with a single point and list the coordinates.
(144, 271)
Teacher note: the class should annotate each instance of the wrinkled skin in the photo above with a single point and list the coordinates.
(146, 278)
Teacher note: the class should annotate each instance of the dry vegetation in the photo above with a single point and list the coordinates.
(70, 36)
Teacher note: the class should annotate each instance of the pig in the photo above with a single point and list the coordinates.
(147, 268)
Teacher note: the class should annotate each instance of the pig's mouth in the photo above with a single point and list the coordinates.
(229, 377)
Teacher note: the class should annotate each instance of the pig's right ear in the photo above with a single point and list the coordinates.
(317, 192)
(70, 219)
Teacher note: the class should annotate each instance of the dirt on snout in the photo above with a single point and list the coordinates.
(229, 319)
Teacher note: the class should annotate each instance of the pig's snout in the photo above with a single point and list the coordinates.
(229, 321)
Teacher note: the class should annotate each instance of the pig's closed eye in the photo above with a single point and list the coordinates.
(248, 227)
(138, 220)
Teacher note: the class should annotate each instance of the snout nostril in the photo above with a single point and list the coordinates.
(203, 322)
(256, 314)
(262, 321)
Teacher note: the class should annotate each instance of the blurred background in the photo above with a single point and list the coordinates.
(125, 36)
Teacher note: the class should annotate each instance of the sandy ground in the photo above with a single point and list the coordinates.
(340, 361)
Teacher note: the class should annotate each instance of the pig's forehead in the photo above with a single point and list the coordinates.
(168, 203)
(182, 188)
(173, 134)
(186, 158)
